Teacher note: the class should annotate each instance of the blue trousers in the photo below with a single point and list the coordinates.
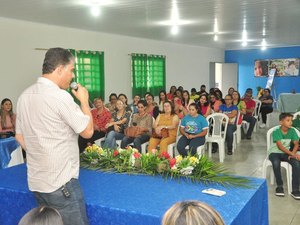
(229, 135)
(110, 140)
(192, 143)
(276, 158)
(72, 208)
(137, 142)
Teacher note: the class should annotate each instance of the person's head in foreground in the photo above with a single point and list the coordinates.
(43, 215)
(192, 213)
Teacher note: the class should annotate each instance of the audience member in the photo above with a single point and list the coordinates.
(180, 111)
(186, 100)
(171, 93)
(178, 94)
(194, 96)
(167, 121)
(214, 102)
(7, 118)
(43, 215)
(152, 107)
(162, 99)
(143, 121)
(112, 102)
(101, 117)
(219, 95)
(266, 106)
(202, 90)
(193, 129)
(124, 99)
(117, 125)
(241, 105)
(248, 116)
(133, 105)
(180, 88)
(231, 90)
(280, 151)
(203, 106)
(231, 111)
(192, 213)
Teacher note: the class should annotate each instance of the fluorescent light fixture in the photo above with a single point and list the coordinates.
(95, 10)
(263, 44)
(216, 28)
(215, 37)
(174, 30)
(244, 43)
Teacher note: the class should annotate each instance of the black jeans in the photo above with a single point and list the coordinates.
(276, 158)
(264, 111)
(82, 142)
(137, 142)
(251, 120)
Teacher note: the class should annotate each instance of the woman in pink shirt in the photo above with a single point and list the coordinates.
(8, 118)
(214, 103)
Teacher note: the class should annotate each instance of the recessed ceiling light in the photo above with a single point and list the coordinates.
(174, 30)
(95, 11)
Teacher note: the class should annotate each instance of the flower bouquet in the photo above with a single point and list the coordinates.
(194, 168)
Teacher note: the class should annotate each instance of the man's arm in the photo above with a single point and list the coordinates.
(20, 140)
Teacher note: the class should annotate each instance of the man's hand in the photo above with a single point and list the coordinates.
(81, 94)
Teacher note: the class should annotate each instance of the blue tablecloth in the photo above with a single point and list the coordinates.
(120, 199)
(7, 146)
(288, 102)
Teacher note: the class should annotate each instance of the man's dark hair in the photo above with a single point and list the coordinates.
(282, 116)
(55, 57)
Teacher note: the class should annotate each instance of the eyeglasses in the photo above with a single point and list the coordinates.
(227, 99)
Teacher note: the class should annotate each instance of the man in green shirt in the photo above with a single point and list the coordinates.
(279, 151)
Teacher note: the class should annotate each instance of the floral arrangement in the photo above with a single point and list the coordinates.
(195, 168)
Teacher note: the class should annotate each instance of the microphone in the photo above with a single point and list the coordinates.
(74, 86)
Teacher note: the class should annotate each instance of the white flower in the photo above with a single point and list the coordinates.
(187, 171)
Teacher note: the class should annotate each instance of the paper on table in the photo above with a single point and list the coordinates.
(212, 191)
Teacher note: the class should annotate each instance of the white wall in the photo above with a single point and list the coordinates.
(21, 64)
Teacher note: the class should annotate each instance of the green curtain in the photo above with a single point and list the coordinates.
(148, 74)
(157, 74)
(89, 71)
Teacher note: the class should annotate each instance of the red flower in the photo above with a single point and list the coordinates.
(172, 162)
(116, 152)
(137, 155)
(164, 155)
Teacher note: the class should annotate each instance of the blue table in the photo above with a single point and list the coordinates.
(7, 146)
(120, 199)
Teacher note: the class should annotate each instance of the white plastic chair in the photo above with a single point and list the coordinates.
(267, 163)
(237, 132)
(295, 115)
(216, 123)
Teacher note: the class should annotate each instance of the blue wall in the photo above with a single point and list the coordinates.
(245, 60)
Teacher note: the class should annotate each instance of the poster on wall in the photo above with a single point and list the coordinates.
(282, 67)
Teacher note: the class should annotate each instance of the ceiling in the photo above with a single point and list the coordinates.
(275, 20)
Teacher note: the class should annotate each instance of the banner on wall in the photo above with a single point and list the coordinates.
(282, 67)
(270, 78)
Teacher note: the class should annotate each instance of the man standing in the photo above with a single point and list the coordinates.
(48, 124)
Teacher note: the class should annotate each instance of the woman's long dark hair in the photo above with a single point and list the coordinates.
(3, 114)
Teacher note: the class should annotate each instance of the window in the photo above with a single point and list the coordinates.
(89, 71)
(148, 74)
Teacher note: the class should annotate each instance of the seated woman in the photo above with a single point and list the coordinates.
(203, 106)
(214, 102)
(241, 105)
(111, 106)
(116, 126)
(180, 111)
(193, 129)
(152, 107)
(162, 99)
(171, 94)
(7, 118)
(186, 100)
(168, 120)
(266, 106)
(134, 103)
(124, 99)
(142, 120)
(101, 117)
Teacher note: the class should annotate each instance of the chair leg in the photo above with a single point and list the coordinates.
(221, 151)
(289, 178)
(209, 149)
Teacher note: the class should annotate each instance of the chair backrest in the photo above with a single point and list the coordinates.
(270, 138)
(296, 114)
(216, 122)
(257, 107)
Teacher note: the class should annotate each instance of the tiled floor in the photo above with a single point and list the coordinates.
(247, 160)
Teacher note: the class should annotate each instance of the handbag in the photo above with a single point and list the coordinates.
(164, 133)
(133, 131)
